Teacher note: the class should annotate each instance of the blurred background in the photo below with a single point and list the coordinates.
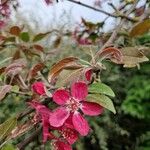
(129, 129)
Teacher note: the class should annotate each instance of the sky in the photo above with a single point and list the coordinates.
(40, 17)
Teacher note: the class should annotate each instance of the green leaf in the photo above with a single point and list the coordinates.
(40, 36)
(25, 36)
(102, 100)
(101, 88)
(8, 147)
(7, 127)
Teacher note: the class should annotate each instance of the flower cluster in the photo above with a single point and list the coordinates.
(68, 119)
(4, 14)
(80, 39)
(48, 2)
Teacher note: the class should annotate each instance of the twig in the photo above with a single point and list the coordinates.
(120, 8)
(22, 145)
(115, 32)
(104, 12)
(22, 82)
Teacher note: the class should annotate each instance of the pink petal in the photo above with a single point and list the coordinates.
(58, 117)
(2, 24)
(68, 122)
(91, 109)
(69, 134)
(38, 87)
(80, 124)
(61, 96)
(88, 74)
(47, 135)
(79, 90)
(84, 41)
(45, 125)
(59, 145)
(40, 108)
(45, 113)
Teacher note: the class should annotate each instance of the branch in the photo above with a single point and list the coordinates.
(105, 12)
(22, 145)
(115, 32)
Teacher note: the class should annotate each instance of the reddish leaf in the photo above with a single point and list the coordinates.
(4, 90)
(2, 38)
(58, 67)
(15, 30)
(38, 47)
(73, 66)
(16, 67)
(2, 70)
(57, 42)
(112, 53)
(16, 55)
(36, 68)
(140, 28)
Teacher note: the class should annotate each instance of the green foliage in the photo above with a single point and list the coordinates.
(8, 147)
(144, 39)
(137, 99)
(143, 142)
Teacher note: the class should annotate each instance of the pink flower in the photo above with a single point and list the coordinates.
(60, 145)
(70, 105)
(79, 39)
(2, 24)
(49, 2)
(4, 10)
(84, 41)
(44, 113)
(68, 132)
(38, 87)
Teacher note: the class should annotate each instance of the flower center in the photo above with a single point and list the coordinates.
(73, 105)
(68, 133)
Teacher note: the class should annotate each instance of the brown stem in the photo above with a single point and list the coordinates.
(115, 32)
(104, 12)
(22, 82)
(23, 144)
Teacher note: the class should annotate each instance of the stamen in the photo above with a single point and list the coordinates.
(73, 105)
